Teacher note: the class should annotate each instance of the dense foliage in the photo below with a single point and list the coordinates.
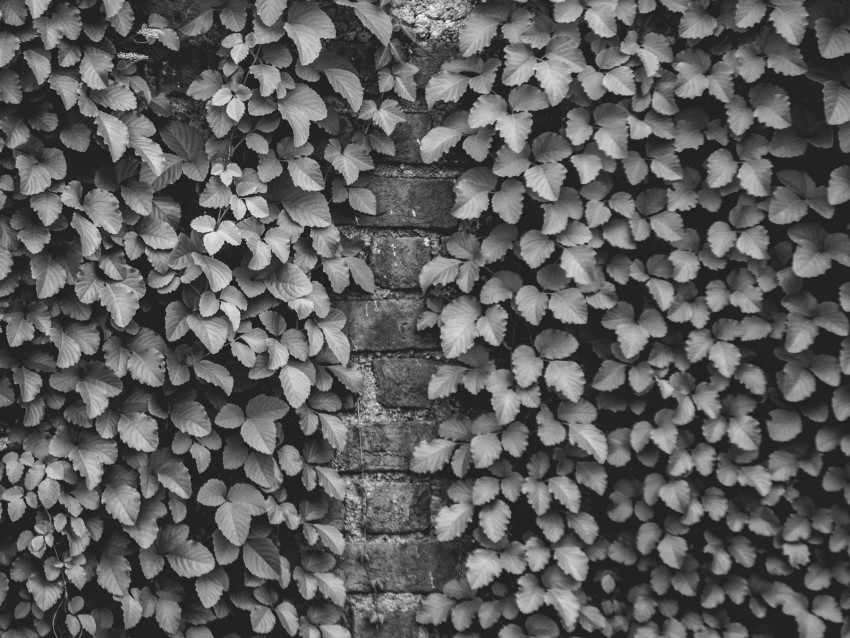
(649, 308)
(171, 367)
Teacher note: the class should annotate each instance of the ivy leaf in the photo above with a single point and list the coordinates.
(96, 387)
(458, 321)
(428, 457)
(296, 385)
(546, 180)
(437, 142)
(567, 377)
(190, 559)
(373, 18)
(590, 439)
(453, 520)
(308, 25)
(300, 106)
(114, 133)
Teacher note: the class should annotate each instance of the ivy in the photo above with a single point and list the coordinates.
(172, 369)
(647, 319)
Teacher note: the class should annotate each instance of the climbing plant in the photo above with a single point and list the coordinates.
(171, 365)
(646, 313)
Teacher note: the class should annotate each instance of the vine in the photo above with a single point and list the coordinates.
(171, 366)
(647, 318)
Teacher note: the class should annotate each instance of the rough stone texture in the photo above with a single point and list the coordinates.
(397, 610)
(432, 19)
(397, 261)
(395, 507)
(397, 624)
(383, 447)
(379, 325)
(407, 136)
(404, 202)
(403, 383)
(415, 567)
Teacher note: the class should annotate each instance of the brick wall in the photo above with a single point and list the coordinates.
(393, 558)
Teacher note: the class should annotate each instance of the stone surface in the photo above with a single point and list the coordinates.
(396, 507)
(407, 202)
(398, 612)
(397, 261)
(403, 383)
(416, 566)
(383, 447)
(407, 136)
(379, 325)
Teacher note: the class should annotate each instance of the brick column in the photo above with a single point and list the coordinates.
(392, 557)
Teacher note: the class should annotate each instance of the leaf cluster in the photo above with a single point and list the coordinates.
(172, 368)
(648, 310)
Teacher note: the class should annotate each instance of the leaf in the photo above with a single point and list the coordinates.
(437, 142)
(308, 25)
(590, 439)
(261, 558)
(96, 388)
(430, 456)
(114, 133)
(296, 385)
(190, 559)
(458, 321)
(102, 209)
(373, 18)
(234, 521)
(546, 179)
(452, 521)
(573, 561)
(301, 106)
(567, 377)
(836, 102)
(270, 11)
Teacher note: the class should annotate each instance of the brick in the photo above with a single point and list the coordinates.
(403, 383)
(379, 325)
(430, 58)
(394, 507)
(397, 624)
(397, 261)
(407, 136)
(383, 447)
(416, 567)
(399, 621)
(407, 202)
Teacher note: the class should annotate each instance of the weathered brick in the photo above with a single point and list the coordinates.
(397, 261)
(406, 202)
(397, 624)
(430, 58)
(407, 136)
(379, 325)
(394, 507)
(382, 447)
(419, 566)
(399, 621)
(403, 383)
